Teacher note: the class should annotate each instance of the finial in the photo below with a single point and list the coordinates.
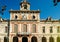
(24, 0)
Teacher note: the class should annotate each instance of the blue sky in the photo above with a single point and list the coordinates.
(46, 8)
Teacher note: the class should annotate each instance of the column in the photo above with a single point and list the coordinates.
(19, 39)
(29, 39)
(55, 39)
(19, 28)
(10, 39)
(47, 38)
(2, 39)
(39, 39)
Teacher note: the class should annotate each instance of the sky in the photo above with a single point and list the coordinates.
(46, 8)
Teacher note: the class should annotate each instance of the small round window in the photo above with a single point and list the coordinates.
(16, 17)
(33, 17)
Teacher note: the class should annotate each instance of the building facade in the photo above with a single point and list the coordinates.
(3, 30)
(26, 26)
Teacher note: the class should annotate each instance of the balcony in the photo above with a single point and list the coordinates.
(23, 33)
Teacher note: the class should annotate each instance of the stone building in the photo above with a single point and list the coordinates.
(26, 26)
(3, 30)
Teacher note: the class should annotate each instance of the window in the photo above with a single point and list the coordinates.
(24, 28)
(33, 17)
(15, 39)
(34, 39)
(58, 39)
(44, 39)
(15, 28)
(51, 39)
(6, 29)
(5, 39)
(25, 6)
(51, 31)
(34, 28)
(16, 17)
(58, 29)
(43, 29)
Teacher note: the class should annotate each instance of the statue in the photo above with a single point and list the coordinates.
(55, 2)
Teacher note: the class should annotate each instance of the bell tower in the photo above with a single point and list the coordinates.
(24, 5)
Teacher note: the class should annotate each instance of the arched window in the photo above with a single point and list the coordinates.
(58, 39)
(33, 17)
(51, 29)
(51, 39)
(34, 39)
(5, 39)
(15, 39)
(16, 16)
(24, 39)
(24, 27)
(15, 28)
(34, 28)
(43, 28)
(44, 39)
